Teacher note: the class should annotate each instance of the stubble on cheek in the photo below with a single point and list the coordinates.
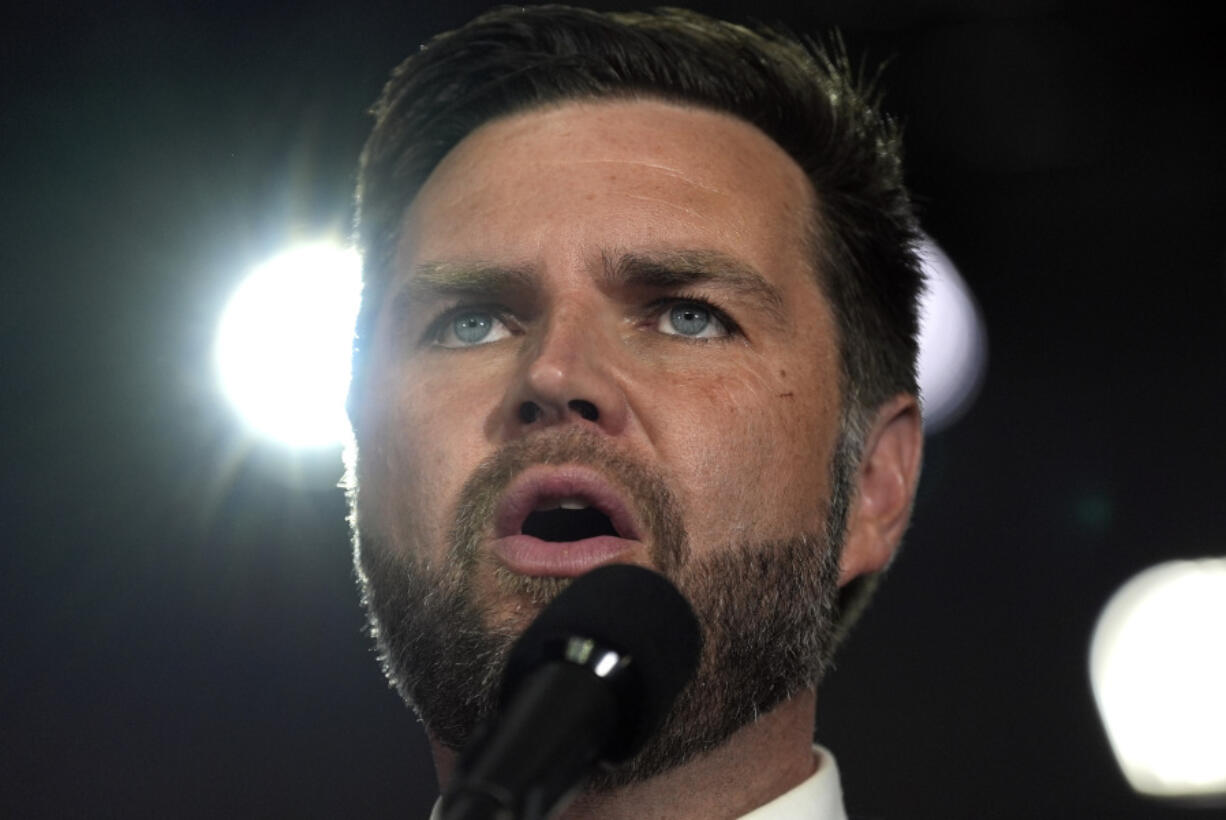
(409, 471)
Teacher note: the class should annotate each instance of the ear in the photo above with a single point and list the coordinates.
(884, 488)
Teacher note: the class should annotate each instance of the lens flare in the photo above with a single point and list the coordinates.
(284, 342)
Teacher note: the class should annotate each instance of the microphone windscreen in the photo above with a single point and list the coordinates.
(635, 612)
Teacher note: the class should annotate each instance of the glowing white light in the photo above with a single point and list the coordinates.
(1158, 670)
(284, 342)
(953, 343)
(607, 663)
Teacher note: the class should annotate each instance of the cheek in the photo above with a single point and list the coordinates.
(750, 453)
(413, 458)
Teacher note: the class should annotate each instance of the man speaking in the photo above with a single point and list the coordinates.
(638, 289)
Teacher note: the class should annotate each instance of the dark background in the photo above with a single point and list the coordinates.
(180, 632)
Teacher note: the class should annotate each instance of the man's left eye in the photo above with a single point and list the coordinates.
(693, 320)
(470, 328)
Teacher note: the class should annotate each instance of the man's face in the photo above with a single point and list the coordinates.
(606, 305)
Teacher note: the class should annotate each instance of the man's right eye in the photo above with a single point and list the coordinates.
(469, 328)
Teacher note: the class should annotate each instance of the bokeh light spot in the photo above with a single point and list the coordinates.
(953, 342)
(284, 342)
(1158, 670)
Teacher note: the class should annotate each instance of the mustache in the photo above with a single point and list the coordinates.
(655, 504)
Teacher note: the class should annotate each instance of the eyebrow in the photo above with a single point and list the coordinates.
(669, 270)
(656, 270)
(439, 280)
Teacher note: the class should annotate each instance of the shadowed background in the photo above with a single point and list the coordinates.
(180, 635)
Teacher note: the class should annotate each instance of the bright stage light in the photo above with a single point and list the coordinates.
(953, 343)
(1158, 671)
(284, 342)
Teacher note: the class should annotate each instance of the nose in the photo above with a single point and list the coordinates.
(568, 376)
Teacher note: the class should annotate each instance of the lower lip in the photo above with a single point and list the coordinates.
(525, 555)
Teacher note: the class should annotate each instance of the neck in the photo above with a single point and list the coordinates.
(755, 765)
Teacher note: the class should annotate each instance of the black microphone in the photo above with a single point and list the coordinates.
(587, 684)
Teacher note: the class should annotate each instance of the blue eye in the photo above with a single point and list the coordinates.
(693, 320)
(689, 320)
(470, 328)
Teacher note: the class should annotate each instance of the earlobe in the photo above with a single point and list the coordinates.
(885, 485)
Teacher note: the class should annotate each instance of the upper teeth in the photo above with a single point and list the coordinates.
(563, 504)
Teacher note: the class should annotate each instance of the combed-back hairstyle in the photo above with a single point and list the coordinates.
(801, 95)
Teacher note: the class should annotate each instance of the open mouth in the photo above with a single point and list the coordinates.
(563, 521)
(568, 519)
(564, 505)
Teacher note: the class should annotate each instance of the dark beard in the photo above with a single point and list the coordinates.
(767, 610)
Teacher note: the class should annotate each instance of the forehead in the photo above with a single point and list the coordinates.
(610, 175)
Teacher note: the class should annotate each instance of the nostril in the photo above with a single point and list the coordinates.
(529, 412)
(584, 408)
